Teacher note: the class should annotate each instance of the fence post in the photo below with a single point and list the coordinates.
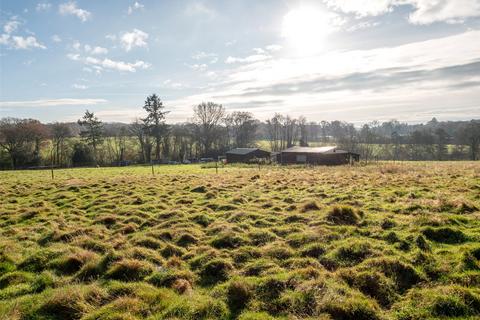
(153, 172)
(216, 167)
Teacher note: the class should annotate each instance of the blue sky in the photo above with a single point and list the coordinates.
(326, 59)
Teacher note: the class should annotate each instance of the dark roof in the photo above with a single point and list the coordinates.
(242, 151)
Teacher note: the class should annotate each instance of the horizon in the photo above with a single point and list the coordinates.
(326, 60)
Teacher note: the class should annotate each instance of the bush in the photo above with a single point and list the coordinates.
(129, 270)
(445, 235)
(343, 216)
(214, 271)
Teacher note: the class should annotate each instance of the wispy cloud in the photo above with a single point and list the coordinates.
(136, 6)
(196, 8)
(52, 102)
(109, 64)
(424, 11)
(70, 8)
(43, 6)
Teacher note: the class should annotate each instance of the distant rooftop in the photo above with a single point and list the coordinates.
(328, 149)
(242, 151)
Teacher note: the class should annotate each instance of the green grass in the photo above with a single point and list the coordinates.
(387, 241)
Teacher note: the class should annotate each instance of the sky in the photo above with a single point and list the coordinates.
(354, 61)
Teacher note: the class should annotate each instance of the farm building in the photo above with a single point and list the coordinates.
(317, 155)
(246, 155)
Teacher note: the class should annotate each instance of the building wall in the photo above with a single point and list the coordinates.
(314, 158)
(244, 158)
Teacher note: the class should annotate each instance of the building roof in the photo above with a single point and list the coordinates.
(242, 151)
(329, 149)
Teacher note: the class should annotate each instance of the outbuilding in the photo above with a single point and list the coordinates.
(246, 155)
(330, 155)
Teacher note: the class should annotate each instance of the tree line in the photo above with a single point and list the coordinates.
(212, 131)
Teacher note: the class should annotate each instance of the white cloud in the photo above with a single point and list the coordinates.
(43, 6)
(111, 37)
(249, 59)
(11, 26)
(450, 11)
(135, 38)
(76, 45)
(274, 47)
(4, 39)
(106, 63)
(362, 8)
(136, 6)
(203, 55)
(413, 81)
(51, 102)
(79, 86)
(29, 42)
(169, 84)
(230, 43)
(70, 8)
(424, 11)
(56, 38)
(95, 50)
(199, 8)
(198, 66)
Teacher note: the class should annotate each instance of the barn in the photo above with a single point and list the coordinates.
(246, 155)
(317, 155)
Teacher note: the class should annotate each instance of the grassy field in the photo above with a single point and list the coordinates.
(387, 241)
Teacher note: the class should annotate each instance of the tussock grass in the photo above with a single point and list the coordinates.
(393, 241)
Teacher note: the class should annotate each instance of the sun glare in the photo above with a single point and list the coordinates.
(305, 29)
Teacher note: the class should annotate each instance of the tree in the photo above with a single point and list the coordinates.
(60, 132)
(155, 121)
(92, 133)
(442, 140)
(21, 139)
(302, 123)
(273, 129)
(470, 135)
(207, 119)
(243, 127)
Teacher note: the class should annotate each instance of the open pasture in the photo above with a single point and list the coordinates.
(387, 241)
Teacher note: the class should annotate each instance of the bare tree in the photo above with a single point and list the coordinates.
(60, 132)
(207, 119)
(243, 128)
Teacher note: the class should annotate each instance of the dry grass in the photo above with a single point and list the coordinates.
(394, 241)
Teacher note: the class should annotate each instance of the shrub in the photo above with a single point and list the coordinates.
(343, 216)
(129, 270)
(214, 271)
(445, 235)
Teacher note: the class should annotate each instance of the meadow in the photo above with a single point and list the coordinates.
(383, 241)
